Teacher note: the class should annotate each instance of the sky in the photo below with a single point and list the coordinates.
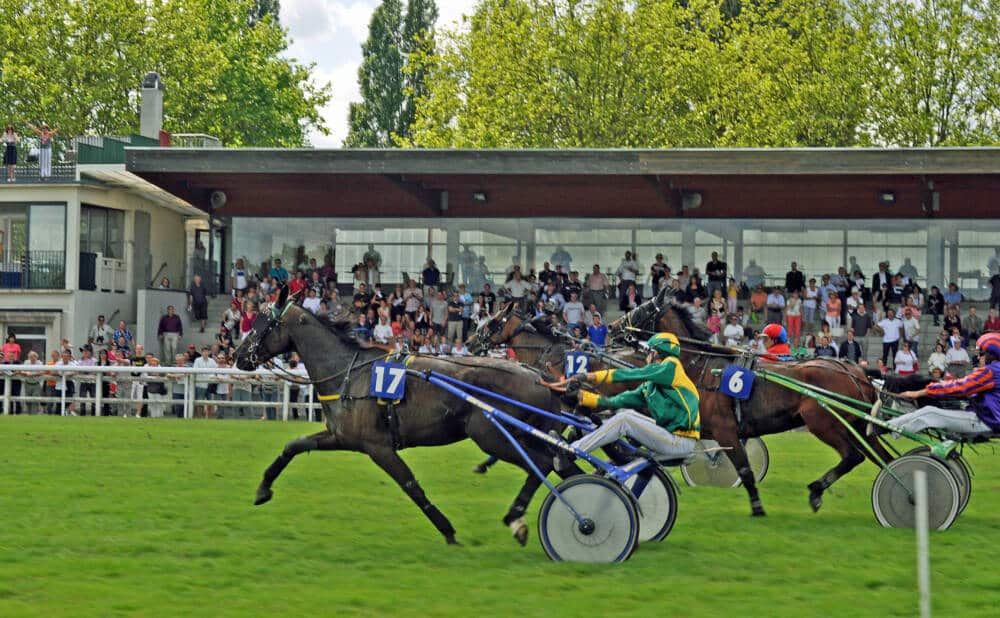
(330, 33)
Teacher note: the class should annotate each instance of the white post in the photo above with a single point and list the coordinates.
(62, 395)
(6, 393)
(923, 557)
(98, 394)
(189, 394)
(286, 394)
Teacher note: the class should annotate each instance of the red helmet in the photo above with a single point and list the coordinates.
(776, 332)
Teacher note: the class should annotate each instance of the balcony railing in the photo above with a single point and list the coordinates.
(34, 270)
(28, 170)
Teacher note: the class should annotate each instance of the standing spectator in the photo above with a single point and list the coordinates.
(850, 348)
(156, 389)
(973, 325)
(754, 275)
(382, 333)
(268, 391)
(279, 274)
(45, 135)
(552, 298)
(107, 382)
(232, 316)
(628, 270)
(794, 279)
(517, 288)
(11, 347)
(15, 385)
(239, 279)
(758, 305)
(935, 304)
(64, 386)
(242, 388)
(732, 296)
(489, 298)
(793, 316)
(891, 330)
(775, 306)
(883, 278)
(439, 313)
(169, 332)
(854, 301)
(454, 323)
(88, 386)
(810, 302)
(246, 322)
(138, 386)
(905, 361)
(202, 381)
(49, 386)
(573, 310)
(179, 380)
(833, 307)
(101, 335)
(657, 272)
(9, 141)
(597, 288)
(221, 386)
(413, 298)
(198, 302)
(32, 384)
(911, 331)
(718, 272)
(995, 290)
(431, 275)
(467, 302)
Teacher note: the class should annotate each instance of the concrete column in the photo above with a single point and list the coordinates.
(73, 242)
(688, 231)
(451, 248)
(935, 255)
(526, 232)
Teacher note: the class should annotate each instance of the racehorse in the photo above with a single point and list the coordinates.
(427, 416)
(771, 408)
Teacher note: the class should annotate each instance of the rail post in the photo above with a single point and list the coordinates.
(923, 557)
(6, 393)
(99, 394)
(286, 395)
(189, 394)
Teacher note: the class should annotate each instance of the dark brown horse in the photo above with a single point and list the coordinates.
(427, 416)
(771, 408)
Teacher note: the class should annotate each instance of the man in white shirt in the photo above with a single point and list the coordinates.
(958, 359)
(891, 329)
(572, 311)
(64, 386)
(911, 331)
(312, 301)
(459, 349)
(733, 332)
(101, 335)
(201, 380)
(517, 287)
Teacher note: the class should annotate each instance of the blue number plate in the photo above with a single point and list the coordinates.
(737, 382)
(576, 362)
(388, 380)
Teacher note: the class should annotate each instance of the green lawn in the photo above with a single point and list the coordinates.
(140, 517)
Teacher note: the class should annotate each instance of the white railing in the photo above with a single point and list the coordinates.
(59, 402)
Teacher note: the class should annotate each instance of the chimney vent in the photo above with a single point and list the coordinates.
(151, 106)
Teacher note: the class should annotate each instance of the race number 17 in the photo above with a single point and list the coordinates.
(388, 380)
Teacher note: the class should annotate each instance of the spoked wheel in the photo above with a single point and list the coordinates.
(609, 531)
(716, 470)
(657, 503)
(958, 469)
(892, 499)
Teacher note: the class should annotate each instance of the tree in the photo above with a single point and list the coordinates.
(78, 65)
(388, 85)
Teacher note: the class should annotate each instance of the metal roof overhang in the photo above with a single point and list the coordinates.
(733, 183)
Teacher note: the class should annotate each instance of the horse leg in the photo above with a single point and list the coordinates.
(726, 433)
(486, 464)
(293, 448)
(390, 461)
(514, 519)
(828, 429)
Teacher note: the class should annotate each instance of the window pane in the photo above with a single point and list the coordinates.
(47, 227)
(658, 237)
(887, 238)
(116, 234)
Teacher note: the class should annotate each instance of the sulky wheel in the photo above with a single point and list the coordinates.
(893, 503)
(716, 470)
(957, 467)
(609, 531)
(657, 499)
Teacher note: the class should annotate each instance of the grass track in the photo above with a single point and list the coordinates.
(139, 517)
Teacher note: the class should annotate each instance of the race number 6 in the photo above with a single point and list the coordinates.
(736, 382)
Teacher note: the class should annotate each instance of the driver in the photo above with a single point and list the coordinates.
(776, 342)
(981, 387)
(666, 394)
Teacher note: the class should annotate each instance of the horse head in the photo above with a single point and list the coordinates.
(643, 317)
(268, 336)
(499, 329)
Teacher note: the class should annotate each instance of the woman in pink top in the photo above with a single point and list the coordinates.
(833, 305)
(11, 347)
(246, 322)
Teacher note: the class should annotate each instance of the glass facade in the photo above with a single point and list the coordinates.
(102, 230)
(33, 246)
(940, 251)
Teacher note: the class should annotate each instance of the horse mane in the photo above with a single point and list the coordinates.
(697, 330)
(340, 324)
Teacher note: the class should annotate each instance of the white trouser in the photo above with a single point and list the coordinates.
(157, 404)
(963, 422)
(642, 429)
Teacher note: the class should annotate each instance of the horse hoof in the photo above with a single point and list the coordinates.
(263, 495)
(815, 502)
(519, 528)
(450, 540)
(758, 511)
(480, 469)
